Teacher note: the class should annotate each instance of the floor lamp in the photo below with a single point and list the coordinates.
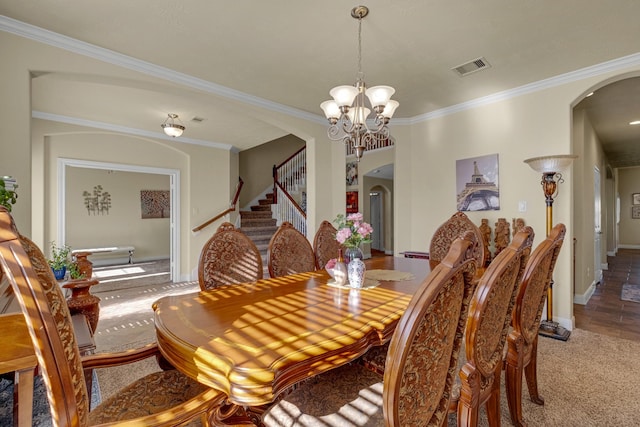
(550, 168)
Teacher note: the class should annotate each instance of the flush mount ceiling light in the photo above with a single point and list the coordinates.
(347, 112)
(170, 126)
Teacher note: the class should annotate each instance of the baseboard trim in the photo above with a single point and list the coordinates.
(612, 253)
(584, 298)
(629, 246)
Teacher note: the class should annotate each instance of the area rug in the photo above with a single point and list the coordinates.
(630, 292)
(41, 415)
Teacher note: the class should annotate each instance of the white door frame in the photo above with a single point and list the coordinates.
(597, 226)
(174, 222)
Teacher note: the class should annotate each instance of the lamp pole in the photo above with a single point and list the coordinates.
(549, 167)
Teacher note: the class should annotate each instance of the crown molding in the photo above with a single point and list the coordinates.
(130, 131)
(76, 46)
(105, 55)
(572, 76)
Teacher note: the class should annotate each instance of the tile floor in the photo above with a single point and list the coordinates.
(605, 312)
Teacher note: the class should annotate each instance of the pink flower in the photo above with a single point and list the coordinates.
(331, 263)
(342, 235)
(365, 229)
(355, 217)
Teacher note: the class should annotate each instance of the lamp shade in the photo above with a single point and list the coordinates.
(173, 130)
(331, 109)
(358, 115)
(390, 108)
(379, 95)
(344, 95)
(548, 164)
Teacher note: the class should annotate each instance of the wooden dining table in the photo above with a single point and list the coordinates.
(253, 341)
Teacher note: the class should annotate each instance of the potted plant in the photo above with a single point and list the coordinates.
(8, 195)
(59, 260)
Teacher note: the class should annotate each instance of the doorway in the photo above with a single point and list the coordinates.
(376, 213)
(174, 196)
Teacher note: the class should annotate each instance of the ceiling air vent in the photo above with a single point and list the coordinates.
(471, 67)
(197, 119)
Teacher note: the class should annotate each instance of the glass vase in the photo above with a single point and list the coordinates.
(352, 253)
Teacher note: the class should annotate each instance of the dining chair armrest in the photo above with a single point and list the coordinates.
(105, 360)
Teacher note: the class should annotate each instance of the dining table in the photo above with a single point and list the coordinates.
(254, 341)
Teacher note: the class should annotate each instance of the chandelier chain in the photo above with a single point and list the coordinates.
(359, 46)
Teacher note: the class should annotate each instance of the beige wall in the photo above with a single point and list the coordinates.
(629, 228)
(122, 225)
(256, 165)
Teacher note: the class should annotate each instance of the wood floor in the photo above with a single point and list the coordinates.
(605, 312)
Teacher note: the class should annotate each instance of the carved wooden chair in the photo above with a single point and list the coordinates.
(162, 398)
(289, 252)
(522, 341)
(448, 232)
(421, 365)
(229, 256)
(486, 333)
(325, 245)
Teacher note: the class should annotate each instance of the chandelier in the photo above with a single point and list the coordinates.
(348, 113)
(170, 127)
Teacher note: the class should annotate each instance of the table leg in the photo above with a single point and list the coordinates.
(23, 397)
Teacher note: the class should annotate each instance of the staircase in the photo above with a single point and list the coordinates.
(259, 225)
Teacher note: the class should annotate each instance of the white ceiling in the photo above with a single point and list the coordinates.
(287, 55)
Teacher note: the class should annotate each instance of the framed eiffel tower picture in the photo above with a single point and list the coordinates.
(477, 184)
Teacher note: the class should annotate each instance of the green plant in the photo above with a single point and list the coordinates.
(8, 195)
(60, 256)
(74, 271)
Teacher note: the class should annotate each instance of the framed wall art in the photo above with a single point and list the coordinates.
(352, 174)
(352, 201)
(477, 184)
(635, 198)
(155, 204)
(635, 212)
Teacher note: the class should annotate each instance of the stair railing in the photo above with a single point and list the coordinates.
(232, 207)
(378, 141)
(288, 176)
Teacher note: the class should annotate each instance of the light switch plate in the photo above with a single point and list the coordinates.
(522, 206)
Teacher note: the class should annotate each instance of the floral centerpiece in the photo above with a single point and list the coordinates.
(352, 230)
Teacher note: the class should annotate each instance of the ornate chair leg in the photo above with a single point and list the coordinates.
(531, 374)
(513, 379)
(493, 404)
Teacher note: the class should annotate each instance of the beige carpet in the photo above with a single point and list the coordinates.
(586, 381)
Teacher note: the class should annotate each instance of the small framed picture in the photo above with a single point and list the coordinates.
(635, 198)
(635, 212)
(352, 201)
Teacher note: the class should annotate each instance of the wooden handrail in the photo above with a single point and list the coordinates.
(221, 214)
(291, 157)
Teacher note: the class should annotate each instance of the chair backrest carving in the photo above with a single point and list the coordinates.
(423, 353)
(535, 282)
(448, 232)
(229, 256)
(325, 245)
(289, 252)
(49, 323)
(488, 322)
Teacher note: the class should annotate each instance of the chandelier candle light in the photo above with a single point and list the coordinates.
(550, 168)
(347, 112)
